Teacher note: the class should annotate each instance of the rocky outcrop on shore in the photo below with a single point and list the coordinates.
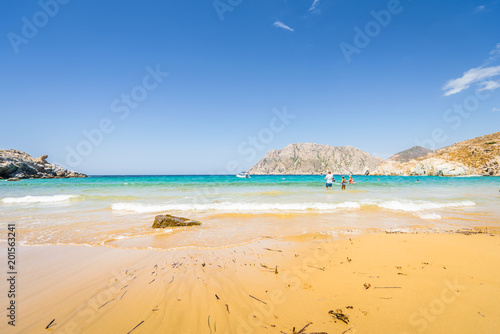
(16, 165)
(478, 156)
(431, 166)
(308, 158)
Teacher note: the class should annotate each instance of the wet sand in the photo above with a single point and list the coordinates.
(376, 283)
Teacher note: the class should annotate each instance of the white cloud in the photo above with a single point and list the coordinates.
(495, 109)
(480, 76)
(281, 25)
(494, 54)
(314, 7)
(489, 85)
(473, 75)
(479, 8)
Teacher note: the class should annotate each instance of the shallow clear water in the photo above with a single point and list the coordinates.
(119, 210)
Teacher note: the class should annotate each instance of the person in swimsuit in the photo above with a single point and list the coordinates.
(329, 180)
(343, 182)
(351, 181)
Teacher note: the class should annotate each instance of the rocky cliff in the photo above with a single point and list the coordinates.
(411, 153)
(478, 156)
(316, 159)
(19, 165)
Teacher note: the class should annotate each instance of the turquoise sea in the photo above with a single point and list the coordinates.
(118, 211)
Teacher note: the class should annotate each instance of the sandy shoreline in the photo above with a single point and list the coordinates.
(417, 283)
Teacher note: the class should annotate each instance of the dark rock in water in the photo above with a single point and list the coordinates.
(14, 179)
(162, 221)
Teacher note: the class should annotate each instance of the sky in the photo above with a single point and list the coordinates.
(208, 87)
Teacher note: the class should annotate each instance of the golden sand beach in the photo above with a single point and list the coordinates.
(375, 283)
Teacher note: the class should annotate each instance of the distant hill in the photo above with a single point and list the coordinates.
(478, 156)
(308, 158)
(411, 153)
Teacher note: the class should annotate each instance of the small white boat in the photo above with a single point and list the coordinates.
(243, 175)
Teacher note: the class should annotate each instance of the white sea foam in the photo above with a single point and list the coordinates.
(430, 216)
(131, 236)
(38, 199)
(420, 206)
(235, 207)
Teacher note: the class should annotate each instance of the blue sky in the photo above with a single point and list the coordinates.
(425, 72)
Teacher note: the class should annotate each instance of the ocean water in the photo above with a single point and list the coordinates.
(118, 211)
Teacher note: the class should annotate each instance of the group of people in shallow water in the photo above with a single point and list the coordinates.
(330, 179)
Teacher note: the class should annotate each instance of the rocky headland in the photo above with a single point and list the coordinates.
(478, 156)
(308, 158)
(16, 165)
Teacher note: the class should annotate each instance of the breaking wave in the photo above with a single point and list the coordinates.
(38, 199)
(285, 207)
(420, 206)
(235, 207)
